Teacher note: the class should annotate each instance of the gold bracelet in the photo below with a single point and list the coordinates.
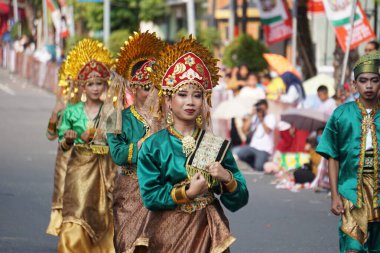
(52, 126)
(232, 184)
(179, 195)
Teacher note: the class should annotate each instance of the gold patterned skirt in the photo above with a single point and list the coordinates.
(129, 213)
(59, 182)
(87, 197)
(202, 231)
(355, 220)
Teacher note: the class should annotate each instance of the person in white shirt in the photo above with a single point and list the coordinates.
(327, 105)
(260, 146)
(250, 90)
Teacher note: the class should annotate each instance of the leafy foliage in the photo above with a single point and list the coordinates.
(153, 9)
(210, 38)
(245, 50)
(117, 39)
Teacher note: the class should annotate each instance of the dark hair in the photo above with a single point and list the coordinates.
(323, 88)
(137, 66)
(267, 76)
(375, 44)
(290, 79)
(262, 102)
(251, 73)
(312, 141)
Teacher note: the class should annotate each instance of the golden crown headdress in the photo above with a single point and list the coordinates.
(185, 62)
(88, 60)
(141, 48)
(63, 89)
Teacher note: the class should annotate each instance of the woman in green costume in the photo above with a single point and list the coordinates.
(134, 63)
(182, 167)
(87, 218)
(350, 143)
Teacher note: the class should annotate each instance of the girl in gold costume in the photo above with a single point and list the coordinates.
(87, 217)
(134, 65)
(182, 167)
(61, 158)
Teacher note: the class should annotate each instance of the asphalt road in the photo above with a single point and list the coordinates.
(273, 221)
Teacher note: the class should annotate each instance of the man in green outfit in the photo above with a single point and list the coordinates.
(350, 143)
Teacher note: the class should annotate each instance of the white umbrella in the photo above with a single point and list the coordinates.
(311, 85)
(237, 107)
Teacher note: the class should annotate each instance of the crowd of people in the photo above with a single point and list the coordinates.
(266, 142)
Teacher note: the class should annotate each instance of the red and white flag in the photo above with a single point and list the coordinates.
(276, 20)
(339, 13)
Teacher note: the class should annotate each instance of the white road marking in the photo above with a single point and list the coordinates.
(6, 89)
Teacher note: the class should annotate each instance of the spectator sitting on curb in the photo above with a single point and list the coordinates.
(260, 146)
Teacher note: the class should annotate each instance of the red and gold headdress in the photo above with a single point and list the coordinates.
(89, 60)
(186, 62)
(140, 49)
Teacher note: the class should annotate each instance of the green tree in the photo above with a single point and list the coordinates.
(210, 38)
(246, 50)
(151, 10)
(123, 15)
(117, 39)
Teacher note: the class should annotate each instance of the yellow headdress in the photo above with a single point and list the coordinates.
(87, 61)
(138, 53)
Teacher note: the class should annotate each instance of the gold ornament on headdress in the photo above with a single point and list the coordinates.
(139, 47)
(83, 53)
(187, 48)
(63, 89)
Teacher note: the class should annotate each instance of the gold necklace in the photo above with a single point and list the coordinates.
(188, 142)
(139, 117)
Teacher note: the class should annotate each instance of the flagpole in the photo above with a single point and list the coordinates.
(346, 54)
(190, 5)
(45, 22)
(16, 17)
(106, 22)
(294, 33)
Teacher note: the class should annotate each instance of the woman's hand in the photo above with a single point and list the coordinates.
(217, 171)
(70, 136)
(88, 135)
(198, 186)
(337, 205)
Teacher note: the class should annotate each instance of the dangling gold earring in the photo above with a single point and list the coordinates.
(83, 97)
(199, 120)
(169, 118)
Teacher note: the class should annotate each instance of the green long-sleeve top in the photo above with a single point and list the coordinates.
(161, 165)
(344, 141)
(123, 147)
(74, 118)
